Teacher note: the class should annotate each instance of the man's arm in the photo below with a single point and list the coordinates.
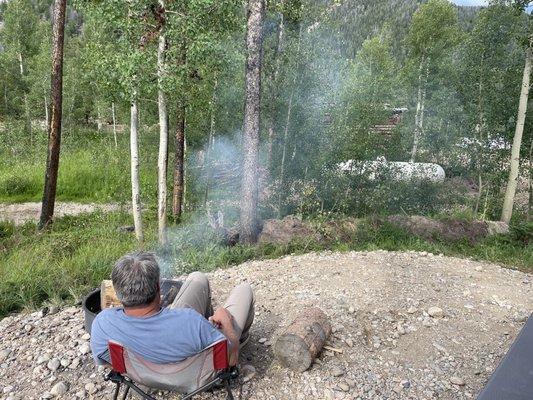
(223, 320)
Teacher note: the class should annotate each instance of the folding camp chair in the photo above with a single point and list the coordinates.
(196, 374)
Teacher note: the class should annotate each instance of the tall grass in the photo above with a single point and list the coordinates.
(61, 264)
(91, 168)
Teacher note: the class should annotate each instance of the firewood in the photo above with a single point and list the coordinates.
(301, 342)
(108, 296)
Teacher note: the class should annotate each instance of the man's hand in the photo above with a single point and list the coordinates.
(223, 320)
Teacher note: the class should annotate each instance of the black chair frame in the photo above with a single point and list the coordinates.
(224, 377)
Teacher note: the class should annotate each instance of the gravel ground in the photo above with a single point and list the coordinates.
(407, 326)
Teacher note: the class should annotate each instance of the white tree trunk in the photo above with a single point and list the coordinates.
(530, 184)
(98, 118)
(420, 108)
(210, 142)
(46, 115)
(515, 151)
(135, 189)
(114, 123)
(162, 160)
(26, 105)
(184, 204)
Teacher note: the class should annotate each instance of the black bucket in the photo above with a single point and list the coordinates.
(91, 303)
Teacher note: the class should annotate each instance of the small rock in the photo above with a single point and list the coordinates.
(337, 371)
(248, 372)
(91, 388)
(75, 363)
(521, 317)
(84, 348)
(406, 384)
(351, 310)
(43, 312)
(456, 380)
(4, 354)
(344, 387)
(349, 342)
(53, 364)
(28, 327)
(60, 388)
(86, 336)
(479, 268)
(350, 382)
(42, 359)
(262, 340)
(435, 312)
(411, 310)
(8, 389)
(53, 310)
(65, 362)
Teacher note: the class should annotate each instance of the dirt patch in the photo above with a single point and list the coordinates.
(286, 230)
(450, 229)
(20, 213)
(291, 228)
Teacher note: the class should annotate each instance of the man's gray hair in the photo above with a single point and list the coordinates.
(136, 278)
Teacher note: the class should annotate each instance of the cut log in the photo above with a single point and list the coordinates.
(301, 342)
(108, 296)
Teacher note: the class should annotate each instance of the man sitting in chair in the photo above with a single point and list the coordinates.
(168, 335)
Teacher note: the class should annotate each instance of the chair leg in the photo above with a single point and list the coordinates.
(126, 392)
(117, 390)
(228, 389)
(139, 391)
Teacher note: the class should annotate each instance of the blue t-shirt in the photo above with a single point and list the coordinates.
(171, 335)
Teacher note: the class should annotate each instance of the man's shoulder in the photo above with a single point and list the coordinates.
(106, 315)
(109, 313)
(183, 313)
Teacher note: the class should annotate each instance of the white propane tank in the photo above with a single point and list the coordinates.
(397, 170)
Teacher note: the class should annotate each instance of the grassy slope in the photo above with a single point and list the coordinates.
(80, 251)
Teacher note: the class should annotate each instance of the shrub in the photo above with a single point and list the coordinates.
(522, 232)
(6, 229)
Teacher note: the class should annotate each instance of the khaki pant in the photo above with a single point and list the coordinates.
(196, 294)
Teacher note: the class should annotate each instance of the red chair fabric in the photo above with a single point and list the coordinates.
(184, 376)
(116, 351)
